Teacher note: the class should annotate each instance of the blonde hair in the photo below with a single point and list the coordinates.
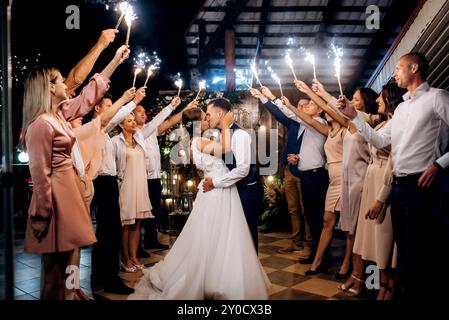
(36, 96)
(124, 120)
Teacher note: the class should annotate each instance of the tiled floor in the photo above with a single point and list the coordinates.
(286, 275)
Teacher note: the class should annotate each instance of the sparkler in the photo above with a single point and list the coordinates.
(289, 62)
(276, 78)
(122, 7)
(178, 83)
(254, 70)
(338, 52)
(149, 73)
(136, 72)
(141, 59)
(202, 86)
(311, 58)
(241, 78)
(129, 17)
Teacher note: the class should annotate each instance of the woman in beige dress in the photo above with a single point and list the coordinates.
(59, 221)
(355, 163)
(374, 237)
(134, 201)
(333, 147)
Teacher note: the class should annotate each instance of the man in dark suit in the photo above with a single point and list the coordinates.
(243, 173)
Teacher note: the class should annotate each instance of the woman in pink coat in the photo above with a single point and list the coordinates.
(59, 221)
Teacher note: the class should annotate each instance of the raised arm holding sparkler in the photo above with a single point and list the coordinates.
(82, 69)
(202, 86)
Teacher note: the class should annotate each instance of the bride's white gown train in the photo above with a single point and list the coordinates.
(214, 256)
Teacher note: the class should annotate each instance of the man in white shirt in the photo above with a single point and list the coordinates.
(106, 251)
(313, 174)
(301, 232)
(150, 240)
(418, 134)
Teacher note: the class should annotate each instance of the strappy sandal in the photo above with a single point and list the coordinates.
(139, 267)
(353, 292)
(132, 269)
(343, 287)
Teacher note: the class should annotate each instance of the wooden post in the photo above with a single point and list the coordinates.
(230, 59)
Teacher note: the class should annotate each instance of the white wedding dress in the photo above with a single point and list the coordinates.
(214, 256)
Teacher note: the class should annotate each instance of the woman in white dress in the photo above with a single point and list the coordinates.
(134, 201)
(214, 256)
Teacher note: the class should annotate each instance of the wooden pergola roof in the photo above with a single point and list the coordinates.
(266, 29)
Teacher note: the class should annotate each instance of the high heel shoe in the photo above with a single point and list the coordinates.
(354, 292)
(343, 276)
(322, 268)
(127, 269)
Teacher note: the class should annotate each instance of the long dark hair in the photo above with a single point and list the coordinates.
(392, 96)
(369, 97)
(191, 119)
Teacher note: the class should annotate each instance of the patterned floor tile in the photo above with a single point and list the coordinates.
(282, 243)
(286, 279)
(297, 268)
(267, 239)
(269, 270)
(319, 286)
(276, 262)
(291, 255)
(279, 235)
(275, 289)
(269, 249)
(292, 294)
(263, 255)
(287, 276)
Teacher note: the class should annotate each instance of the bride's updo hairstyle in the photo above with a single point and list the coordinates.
(191, 121)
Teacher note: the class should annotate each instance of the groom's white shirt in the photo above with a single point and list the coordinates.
(241, 148)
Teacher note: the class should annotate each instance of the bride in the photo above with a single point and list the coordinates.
(214, 256)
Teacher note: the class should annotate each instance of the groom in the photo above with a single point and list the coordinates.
(243, 173)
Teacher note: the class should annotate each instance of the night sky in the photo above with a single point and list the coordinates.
(40, 27)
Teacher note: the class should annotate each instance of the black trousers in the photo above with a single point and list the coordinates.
(252, 200)
(314, 184)
(150, 225)
(421, 236)
(106, 251)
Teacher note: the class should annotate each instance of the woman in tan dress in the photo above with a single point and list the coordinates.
(59, 220)
(134, 201)
(333, 148)
(374, 237)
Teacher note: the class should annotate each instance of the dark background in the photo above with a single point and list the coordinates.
(40, 27)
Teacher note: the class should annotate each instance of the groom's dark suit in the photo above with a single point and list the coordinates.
(250, 190)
